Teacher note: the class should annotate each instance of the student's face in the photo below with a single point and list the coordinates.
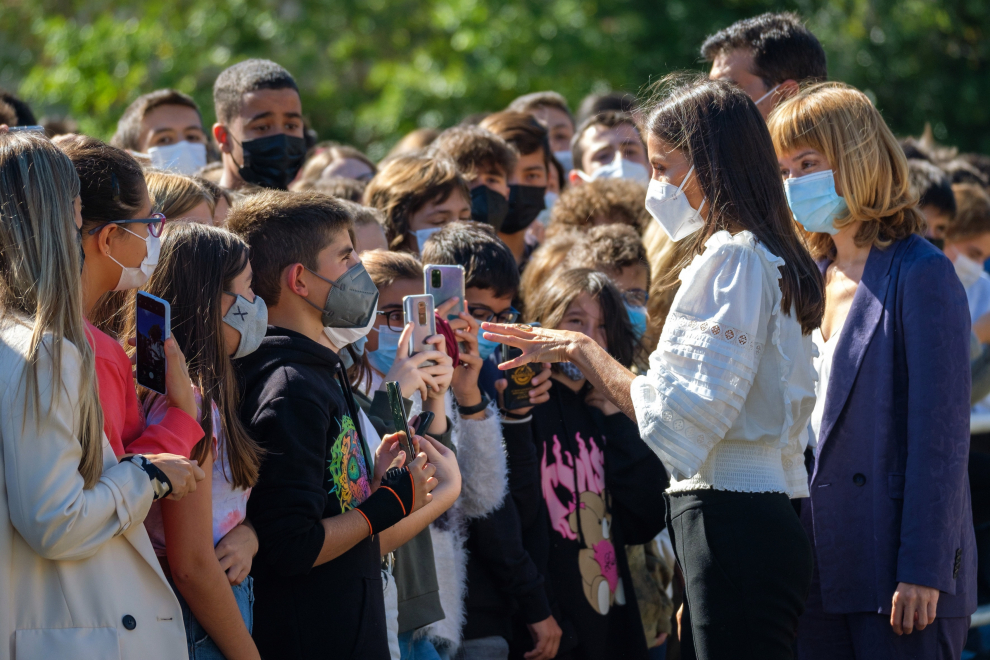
(671, 166)
(170, 124)
(492, 177)
(127, 247)
(735, 66)
(633, 279)
(976, 248)
(369, 236)
(482, 302)
(584, 315)
(804, 161)
(200, 213)
(437, 213)
(390, 302)
(603, 145)
(531, 170)
(558, 125)
(264, 112)
(553, 179)
(240, 285)
(937, 221)
(348, 168)
(332, 262)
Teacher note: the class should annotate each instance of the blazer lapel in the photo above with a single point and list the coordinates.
(855, 336)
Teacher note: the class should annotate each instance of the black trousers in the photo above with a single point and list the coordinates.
(747, 567)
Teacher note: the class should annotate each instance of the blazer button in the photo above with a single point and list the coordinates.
(129, 622)
(859, 479)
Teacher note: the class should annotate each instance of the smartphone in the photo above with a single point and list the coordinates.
(423, 423)
(154, 325)
(520, 380)
(444, 283)
(29, 129)
(399, 418)
(419, 311)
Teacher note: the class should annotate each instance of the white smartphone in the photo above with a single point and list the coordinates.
(419, 311)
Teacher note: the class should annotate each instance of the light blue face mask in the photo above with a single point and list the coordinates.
(485, 347)
(637, 317)
(423, 235)
(814, 202)
(383, 357)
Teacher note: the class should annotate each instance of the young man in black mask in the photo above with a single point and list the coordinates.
(259, 125)
(527, 181)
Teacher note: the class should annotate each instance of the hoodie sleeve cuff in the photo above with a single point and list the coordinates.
(534, 606)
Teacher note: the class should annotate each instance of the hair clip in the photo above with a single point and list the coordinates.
(114, 188)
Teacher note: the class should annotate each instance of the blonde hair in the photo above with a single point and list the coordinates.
(842, 124)
(40, 264)
(176, 195)
(547, 260)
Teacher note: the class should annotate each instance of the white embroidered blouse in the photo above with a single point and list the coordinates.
(731, 386)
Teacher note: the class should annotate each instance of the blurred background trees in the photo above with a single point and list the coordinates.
(371, 70)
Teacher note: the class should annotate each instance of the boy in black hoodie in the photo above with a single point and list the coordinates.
(321, 499)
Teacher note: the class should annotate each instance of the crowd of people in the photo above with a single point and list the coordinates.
(707, 393)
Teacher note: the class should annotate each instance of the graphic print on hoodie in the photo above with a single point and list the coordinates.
(348, 468)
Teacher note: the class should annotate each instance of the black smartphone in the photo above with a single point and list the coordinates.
(520, 380)
(423, 423)
(154, 325)
(399, 418)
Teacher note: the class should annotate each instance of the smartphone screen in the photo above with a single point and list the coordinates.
(444, 283)
(153, 326)
(399, 418)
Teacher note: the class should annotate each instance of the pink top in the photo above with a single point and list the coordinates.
(229, 503)
(175, 433)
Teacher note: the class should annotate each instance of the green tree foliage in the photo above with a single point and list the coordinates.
(370, 70)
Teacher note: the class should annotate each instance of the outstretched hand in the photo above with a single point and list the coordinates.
(537, 344)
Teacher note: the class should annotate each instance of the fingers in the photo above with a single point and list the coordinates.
(444, 309)
(471, 360)
(897, 614)
(197, 471)
(439, 341)
(511, 330)
(398, 461)
(227, 561)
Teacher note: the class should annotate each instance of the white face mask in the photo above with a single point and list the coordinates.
(423, 235)
(969, 271)
(341, 337)
(183, 157)
(250, 319)
(760, 100)
(670, 207)
(620, 168)
(135, 278)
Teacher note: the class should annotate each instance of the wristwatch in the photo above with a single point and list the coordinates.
(477, 408)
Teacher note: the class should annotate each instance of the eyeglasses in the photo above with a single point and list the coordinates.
(395, 319)
(487, 315)
(155, 224)
(636, 297)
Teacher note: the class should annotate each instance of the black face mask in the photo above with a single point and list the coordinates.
(488, 206)
(273, 161)
(525, 203)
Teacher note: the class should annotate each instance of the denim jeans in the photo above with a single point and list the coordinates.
(483, 648)
(416, 649)
(201, 647)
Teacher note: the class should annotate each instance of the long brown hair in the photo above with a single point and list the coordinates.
(39, 280)
(840, 123)
(720, 131)
(197, 264)
(548, 304)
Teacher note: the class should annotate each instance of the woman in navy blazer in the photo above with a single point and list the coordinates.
(889, 514)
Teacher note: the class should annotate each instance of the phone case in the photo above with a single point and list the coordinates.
(419, 311)
(154, 326)
(516, 395)
(444, 283)
(399, 418)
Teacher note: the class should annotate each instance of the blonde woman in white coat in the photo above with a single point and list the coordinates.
(78, 576)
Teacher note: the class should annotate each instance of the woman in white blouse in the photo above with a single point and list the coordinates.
(730, 388)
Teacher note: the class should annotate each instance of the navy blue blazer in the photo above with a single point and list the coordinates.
(890, 497)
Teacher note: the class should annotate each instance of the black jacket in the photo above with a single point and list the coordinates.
(297, 405)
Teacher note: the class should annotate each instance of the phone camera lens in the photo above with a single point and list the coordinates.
(436, 279)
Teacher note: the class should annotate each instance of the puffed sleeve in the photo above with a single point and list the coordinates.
(48, 505)
(706, 361)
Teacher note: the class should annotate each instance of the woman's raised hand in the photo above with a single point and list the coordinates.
(537, 344)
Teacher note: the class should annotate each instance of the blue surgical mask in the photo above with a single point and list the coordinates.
(549, 199)
(485, 347)
(814, 202)
(637, 317)
(423, 235)
(566, 160)
(383, 357)
(620, 168)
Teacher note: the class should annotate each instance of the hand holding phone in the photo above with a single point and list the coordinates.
(419, 310)
(399, 419)
(423, 423)
(154, 326)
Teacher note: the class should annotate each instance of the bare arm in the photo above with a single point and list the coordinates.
(545, 345)
(197, 572)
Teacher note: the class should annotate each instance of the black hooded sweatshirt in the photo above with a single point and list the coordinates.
(297, 405)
